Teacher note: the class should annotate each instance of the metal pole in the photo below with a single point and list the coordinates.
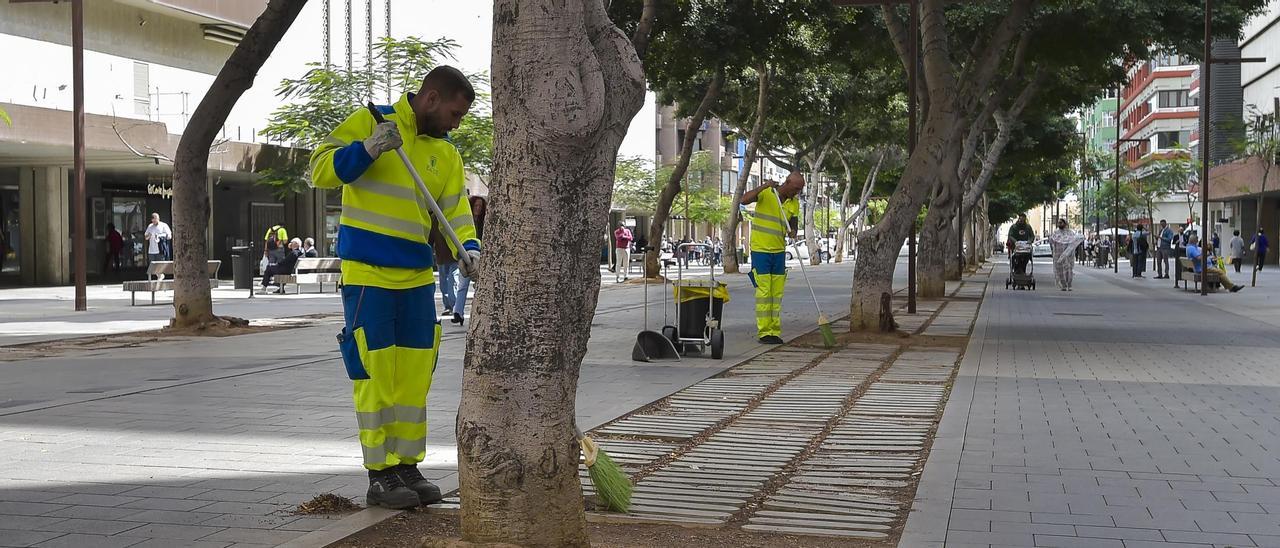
(912, 107)
(1115, 210)
(79, 261)
(324, 38)
(1205, 141)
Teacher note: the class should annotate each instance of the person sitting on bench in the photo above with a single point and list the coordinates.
(1199, 258)
(285, 265)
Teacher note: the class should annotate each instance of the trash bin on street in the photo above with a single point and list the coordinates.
(691, 296)
(241, 267)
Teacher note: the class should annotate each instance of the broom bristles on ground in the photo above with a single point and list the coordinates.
(828, 336)
(613, 485)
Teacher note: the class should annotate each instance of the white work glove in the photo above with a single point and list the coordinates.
(471, 268)
(385, 136)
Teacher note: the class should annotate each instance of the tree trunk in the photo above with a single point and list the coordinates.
(954, 262)
(192, 300)
(566, 84)
(815, 192)
(730, 235)
(672, 188)
(878, 247)
(931, 262)
(844, 210)
(946, 97)
(859, 220)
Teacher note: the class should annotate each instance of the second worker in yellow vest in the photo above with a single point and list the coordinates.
(390, 340)
(770, 227)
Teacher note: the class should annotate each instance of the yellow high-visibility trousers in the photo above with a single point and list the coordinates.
(769, 274)
(396, 341)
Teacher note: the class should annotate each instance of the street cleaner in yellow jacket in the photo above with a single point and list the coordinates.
(770, 227)
(391, 336)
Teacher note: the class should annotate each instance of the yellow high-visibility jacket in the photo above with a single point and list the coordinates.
(769, 226)
(382, 234)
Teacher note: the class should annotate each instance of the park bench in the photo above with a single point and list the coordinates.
(312, 270)
(1189, 276)
(164, 268)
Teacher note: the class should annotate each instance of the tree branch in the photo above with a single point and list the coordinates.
(641, 38)
(984, 67)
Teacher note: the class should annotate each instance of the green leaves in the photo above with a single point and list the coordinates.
(323, 97)
(5, 116)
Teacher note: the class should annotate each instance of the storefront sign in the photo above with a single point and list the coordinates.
(161, 191)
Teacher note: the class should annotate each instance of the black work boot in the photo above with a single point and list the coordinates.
(387, 490)
(427, 492)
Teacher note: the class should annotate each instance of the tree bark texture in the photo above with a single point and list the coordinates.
(730, 235)
(932, 260)
(673, 187)
(192, 300)
(566, 84)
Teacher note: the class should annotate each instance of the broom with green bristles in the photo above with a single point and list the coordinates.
(613, 486)
(824, 325)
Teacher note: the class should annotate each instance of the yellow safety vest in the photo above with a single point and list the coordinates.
(769, 226)
(382, 234)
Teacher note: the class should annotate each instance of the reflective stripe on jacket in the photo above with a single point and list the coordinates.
(769, 226)
(385, 221)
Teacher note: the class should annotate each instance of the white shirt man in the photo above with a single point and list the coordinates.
(156, 232)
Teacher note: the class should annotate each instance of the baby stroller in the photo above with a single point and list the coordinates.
(1022, 273)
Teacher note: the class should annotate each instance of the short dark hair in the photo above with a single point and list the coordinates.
(1162, 221)
(449, 82)
(1235, 232)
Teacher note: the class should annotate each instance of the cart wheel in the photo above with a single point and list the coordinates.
(1006, 284)
(672, 334)
(1033, 286)
(717, 344)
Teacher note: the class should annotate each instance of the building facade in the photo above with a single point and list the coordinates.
(1235, 190)
(147, 64)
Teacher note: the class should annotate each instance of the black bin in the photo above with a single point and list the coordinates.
(691, 295)
(241, 267)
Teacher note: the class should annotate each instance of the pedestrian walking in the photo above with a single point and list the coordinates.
(115, 245)
(1138, 247)
(1202, 261)
(1236, 252)
(621, 253)
(447, 267)
(1259, 247)
(769, 229)
(158, 236)
(1064, 243)
(391, 338)
(1164, 250)
(479, 208)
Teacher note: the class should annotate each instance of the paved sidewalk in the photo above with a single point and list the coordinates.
(1124, 413)
(210, 442)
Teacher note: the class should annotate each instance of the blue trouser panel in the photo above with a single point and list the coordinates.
(769, 274)
(397, 336)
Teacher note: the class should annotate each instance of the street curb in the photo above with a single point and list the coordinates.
(931, 509)
(370, 517)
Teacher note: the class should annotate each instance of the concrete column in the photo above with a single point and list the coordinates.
(44, 203)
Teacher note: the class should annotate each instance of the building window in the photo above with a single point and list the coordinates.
(1176, 98)
(142, 89)
(727, 179)
(1172, 139)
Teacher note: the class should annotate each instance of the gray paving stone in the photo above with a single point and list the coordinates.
(1076, 542)
(90, 526)
(24, 537)
(77, 540)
